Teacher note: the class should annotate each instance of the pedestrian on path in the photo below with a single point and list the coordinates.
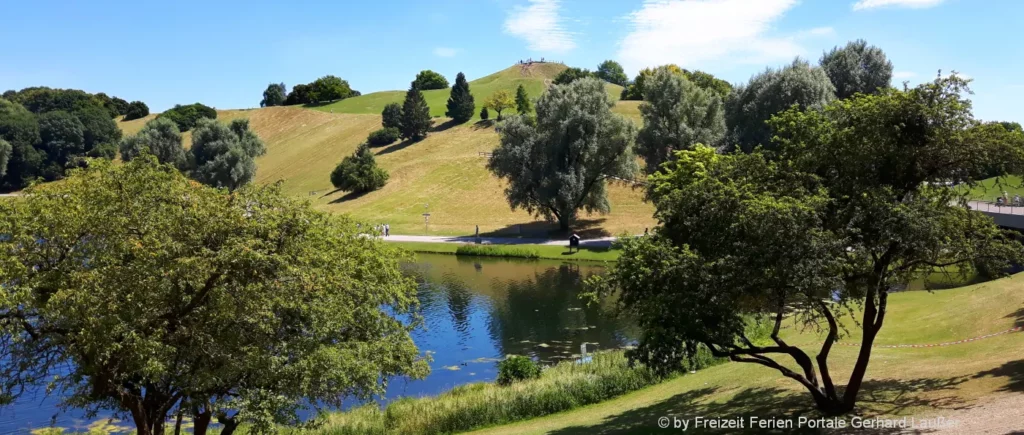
(387, 230)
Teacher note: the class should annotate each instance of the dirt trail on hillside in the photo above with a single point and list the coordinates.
(1003, 414)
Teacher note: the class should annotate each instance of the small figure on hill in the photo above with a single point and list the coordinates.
(645, 231)
(387, 230)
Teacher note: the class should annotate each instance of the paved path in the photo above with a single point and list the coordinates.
(602, 242)
(993, 208)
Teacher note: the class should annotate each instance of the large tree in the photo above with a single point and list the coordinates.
(845, 212)
(274, 95)
(857, 67)
(20, 128)
(572, 74)
(225, 156)
(635, 90)
(188, 116)
(136, 110)
(612, 72)
(154, 295)
(461, 106)
(159, 137)
(677, 115)
(500, 101)
(415, 115)
(750, 106)
(5, 156)
(429, 80)
(359, 172)
(98, 128)
(328, 88)
(523, 104)
(559, 164)
(62, 138)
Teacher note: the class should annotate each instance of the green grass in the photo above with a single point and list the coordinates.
(535, 78)
(542, 251)
(988, 190)
(496, 251)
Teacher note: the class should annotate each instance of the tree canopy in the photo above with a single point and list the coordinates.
(571, 74)
(300, 94)
(857, 67)
(5, 156)
(461, 106)
(159, 137)
(157, 294)
(635, 90)
(750, 106)
(844, 212)
(188, 116)
(136, 110)
(416, 119)
(328, 88)
(500, 101)
(274, 95)
(359, 172)
(612, 72)
(391, 117)
(225, 156)
(559, 164)
(427, 80)
(677, 115)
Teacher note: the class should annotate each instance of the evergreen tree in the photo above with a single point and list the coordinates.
(484, 114)
(523, 104)
(392, 116)
(461, 105)
(415, 115)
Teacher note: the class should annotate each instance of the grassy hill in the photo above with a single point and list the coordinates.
(445, 171)
(535, 78)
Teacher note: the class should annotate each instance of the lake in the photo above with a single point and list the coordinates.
(476, 310)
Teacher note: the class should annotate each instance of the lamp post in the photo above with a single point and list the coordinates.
(426, 218)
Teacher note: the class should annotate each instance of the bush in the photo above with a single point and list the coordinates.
(391, 116)
(187, 116)
(516, 369)
(427, 80)
(136, 110)
(484, 114)
(359, 173)
(496, 251)
(384, 136)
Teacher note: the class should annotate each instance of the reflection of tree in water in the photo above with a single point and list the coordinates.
(459, 299)
(543, 316)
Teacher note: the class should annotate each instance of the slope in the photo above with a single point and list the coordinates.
(534, 77)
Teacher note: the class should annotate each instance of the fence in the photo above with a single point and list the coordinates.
(989, 207)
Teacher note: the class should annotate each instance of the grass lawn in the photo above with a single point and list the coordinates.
(989, 189)
(543, 251)
(922, 382)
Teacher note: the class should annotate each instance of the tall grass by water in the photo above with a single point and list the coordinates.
(564, 386)
(497, 251)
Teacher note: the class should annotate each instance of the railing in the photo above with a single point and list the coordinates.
(989, 207)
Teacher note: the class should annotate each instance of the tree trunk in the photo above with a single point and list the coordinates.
(177, 423)
(201, 422)
(230, 424)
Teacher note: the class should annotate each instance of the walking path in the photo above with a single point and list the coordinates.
(603, 242)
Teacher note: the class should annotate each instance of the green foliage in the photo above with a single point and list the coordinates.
(136, 110)
(225, 156)
(523, 104)
(384, 136)
(5, 156)
(750, 106)
(274, 95)
(391, 117)
(328, 88)
(61, 137)
(500, 101)
(300, 94)
(857, 67)
(635, 90)
(98, 127)
(484, 115)
(558, 164)
(159, 137)
(17, 125)
(103, 151)
(42, 99)
(677, 114)
(846, 210)
(517, 369)
(612, 72)
(460, 104)
(359, 172)
(415, 115)
(709, 82)
(496, 251)
(142, 287)
(188, 116)
(466, 407)
(427, 80)
(571, 74)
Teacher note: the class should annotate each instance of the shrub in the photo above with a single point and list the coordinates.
(484, 114)
(359, 172)
(136, 110)
(516, 369)
(187, 116)
(384, 136)
(496, 251)
(391, 117)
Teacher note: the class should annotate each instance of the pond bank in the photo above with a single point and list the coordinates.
(551, 252)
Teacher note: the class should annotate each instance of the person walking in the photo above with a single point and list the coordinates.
(387, 230)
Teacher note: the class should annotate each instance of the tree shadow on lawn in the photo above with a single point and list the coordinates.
(881, 397)
(1018, 317)
(484, 123)
(348, 197)
(585, 228)
(443, 126)
(1014, 370)
(396, 147)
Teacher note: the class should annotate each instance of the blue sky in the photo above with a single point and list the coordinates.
(225, 53)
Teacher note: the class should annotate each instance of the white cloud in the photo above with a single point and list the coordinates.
(692, 32)
(541, 26)
(445, 52)
(915, 4)
(904, 74)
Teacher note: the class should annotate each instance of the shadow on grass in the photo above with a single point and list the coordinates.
(443, 126)
(585, 228)
(1013, 370)
(886, 396)
(484, 123)
(1018, 318)
(348, 197)
(396, 147)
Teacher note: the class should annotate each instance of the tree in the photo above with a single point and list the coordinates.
(415, 115)
(121, 106)
(188, 116)
(523, 104)
(136, 110)
(61, 137)
(384, 136)
(159, 137)
(677, 114)
(635, 90)
(359, 172)
(5, 156)
(20, 128)
(98, 127)
(483, 113)
(391, 117)
(300, 94)
(224, 156)
(427, 80)
(42, 99)
(857, 67)
(708, 82)
(846, 211)
(328, 88)
(612, 72)
(570, 75)
(558, 165)
(749, 106)
(500, 101)
(274, 95)
(152, 294)
(461, 106)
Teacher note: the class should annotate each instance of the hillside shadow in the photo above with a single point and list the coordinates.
(484, 123)
(348, 197)
(443, 126)
(395, 147)
(585, 228)
(1018, 318)
(1013, 370)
